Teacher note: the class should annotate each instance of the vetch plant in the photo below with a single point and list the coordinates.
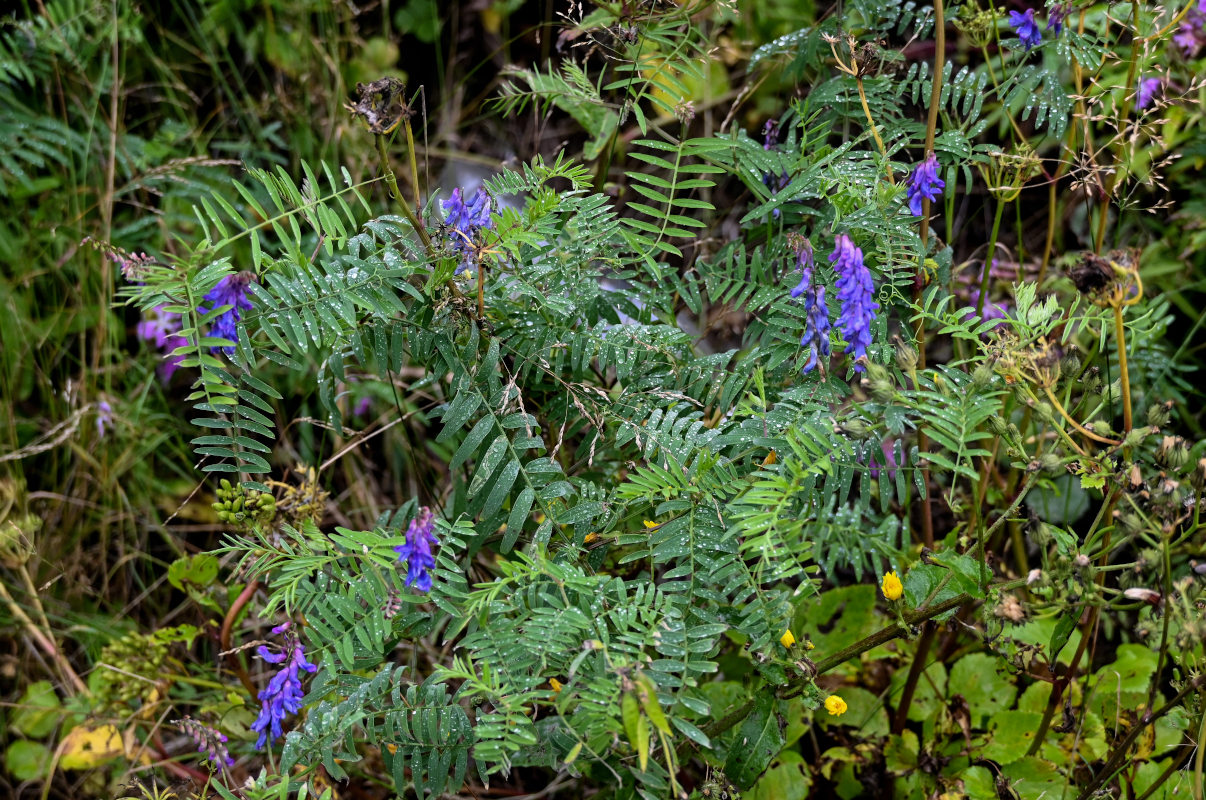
(653, 542)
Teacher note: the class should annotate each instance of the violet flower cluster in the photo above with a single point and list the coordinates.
(283, 694)
(420, 536)
(209, 741)
(1026, 28)
(924, 183)
(816, 312)
(466, 219)
(161, 329)
(1056, 16)
(1191, 35)
(1148, 89)
(856, 294)
(230, 291)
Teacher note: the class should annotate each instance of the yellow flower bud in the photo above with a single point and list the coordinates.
(787, 640)
(892, 587)
(556, 684)
(835, 705)
(650, 524)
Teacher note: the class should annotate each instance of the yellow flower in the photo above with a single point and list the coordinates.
(835, 705)
(787, 640)
(650, 524)
(556, 684)
(892, 586)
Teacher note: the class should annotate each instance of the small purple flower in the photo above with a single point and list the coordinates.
(160, 328)
(1148, 89)
(362, 406)
(283, 694)
(856, 295)
(208, 740)
(804, 262)
(230, 291)
(1026, 28)
(924, 183)
(157, 326)
(1056, 16)
(104, 418)
(1190, 37)
(420, 536)
(1186, 40)
(770, 134)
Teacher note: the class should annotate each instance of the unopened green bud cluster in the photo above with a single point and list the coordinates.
(237, 505)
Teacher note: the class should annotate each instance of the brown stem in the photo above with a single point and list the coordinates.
(1175, 764)
(224, 636)
(1123, 374)
(915, 670)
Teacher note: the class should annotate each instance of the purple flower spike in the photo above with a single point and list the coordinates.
(283, 694)
(856, 294)
(209, 741)
(770, 134)
(816, 326)
(1056, 16)
(230, 291)
(420, 536)
(1026, 28)
(924, 183)
(1148, 89)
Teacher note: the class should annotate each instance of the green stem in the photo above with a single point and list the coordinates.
(1081, 429)
(414, 166)
(1197, 762)
(862, 96)
(1163, 651)
(988, 258)
(392, 183)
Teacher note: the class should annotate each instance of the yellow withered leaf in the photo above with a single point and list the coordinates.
(88, 748)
